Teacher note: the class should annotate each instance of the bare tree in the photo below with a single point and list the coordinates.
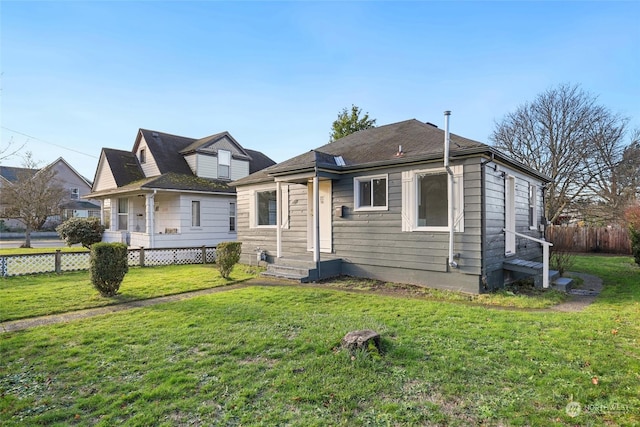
(617, 185)
(33, 197)
(9, 149)
(564, 134)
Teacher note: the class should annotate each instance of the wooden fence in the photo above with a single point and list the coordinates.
(613, 240)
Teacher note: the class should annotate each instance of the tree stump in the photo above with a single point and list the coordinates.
(359, 340)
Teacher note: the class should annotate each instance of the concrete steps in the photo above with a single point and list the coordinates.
(302, 270)
(535, 268)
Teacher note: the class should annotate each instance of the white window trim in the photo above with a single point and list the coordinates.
(234, 216)
(410, 199)
(220, 163)
(199, 226)
(254, 208)
(356, 193)
(533, 202)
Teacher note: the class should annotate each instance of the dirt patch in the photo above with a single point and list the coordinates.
(582, 295)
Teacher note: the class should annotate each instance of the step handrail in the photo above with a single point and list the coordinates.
(545, 254)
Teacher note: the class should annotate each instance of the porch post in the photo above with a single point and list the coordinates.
(316, 219)
(150, 212)
(278, 220)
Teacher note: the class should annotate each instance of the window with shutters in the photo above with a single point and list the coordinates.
(425, 203)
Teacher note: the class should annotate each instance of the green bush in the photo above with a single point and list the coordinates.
(108, 266)
(85, 231)
(227, 255)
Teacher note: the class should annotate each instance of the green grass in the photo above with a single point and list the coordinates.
(42, 294)
(28, 251)
(516, 297)
(270, 356)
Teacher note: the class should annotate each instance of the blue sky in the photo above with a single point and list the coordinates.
(79, 76)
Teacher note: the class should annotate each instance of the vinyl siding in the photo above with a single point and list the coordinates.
(149, 167)
(104, 177)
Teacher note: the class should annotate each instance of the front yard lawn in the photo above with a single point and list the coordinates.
(42, 294)
(270, 356)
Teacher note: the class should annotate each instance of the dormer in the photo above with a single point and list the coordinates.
(217, 156)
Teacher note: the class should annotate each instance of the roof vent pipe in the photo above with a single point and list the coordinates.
(447, 113)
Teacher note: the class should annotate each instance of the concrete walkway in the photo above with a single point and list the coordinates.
(22, 324)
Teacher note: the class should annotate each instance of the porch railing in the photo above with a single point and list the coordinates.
(58, 262)
(545, 254)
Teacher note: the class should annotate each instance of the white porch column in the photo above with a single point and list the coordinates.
(278, 220)
(150, 219)
(316, 219)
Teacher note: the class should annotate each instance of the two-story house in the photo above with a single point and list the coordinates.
(66, 176)
(172, 191)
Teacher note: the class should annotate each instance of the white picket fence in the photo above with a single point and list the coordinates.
(58, 262)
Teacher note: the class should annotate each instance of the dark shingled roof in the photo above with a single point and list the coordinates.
(375, 145)
(165, 149)
(172, 181)
(12, 174)
(378, 147)
(175, 174)
(80, 205)
(124, 166)
(259, 161)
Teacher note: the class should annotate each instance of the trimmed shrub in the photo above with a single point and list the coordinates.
(108, 266)
(227, 255)
(632, 215)
(85, 231)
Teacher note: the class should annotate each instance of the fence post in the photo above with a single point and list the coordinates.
(204, 254)
(141, 256)
(58, 261)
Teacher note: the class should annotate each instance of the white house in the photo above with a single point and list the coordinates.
(172, 191)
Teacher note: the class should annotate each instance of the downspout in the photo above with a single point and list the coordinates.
(452, 263)
(484, 280)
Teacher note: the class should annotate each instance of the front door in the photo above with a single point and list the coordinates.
(324, 208)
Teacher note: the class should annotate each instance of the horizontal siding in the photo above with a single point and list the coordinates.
(376, 238)
(495, 220)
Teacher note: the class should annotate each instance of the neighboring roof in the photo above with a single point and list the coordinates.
(170, 181)
(165, 149)
(12, 174)
(124, 166)
(80, 205)
(379, 147)
(259, 161)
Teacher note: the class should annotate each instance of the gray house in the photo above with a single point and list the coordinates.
(387, 203)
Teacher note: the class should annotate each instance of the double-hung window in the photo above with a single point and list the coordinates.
(123, 213)
(232, 216)
(224, 164)
(371, 192)
(533, 211)
(75, 194)
(195, 213)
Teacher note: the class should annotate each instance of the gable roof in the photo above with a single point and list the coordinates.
(124, 166)
(12, 174)
(165, 149)
(379, 146)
